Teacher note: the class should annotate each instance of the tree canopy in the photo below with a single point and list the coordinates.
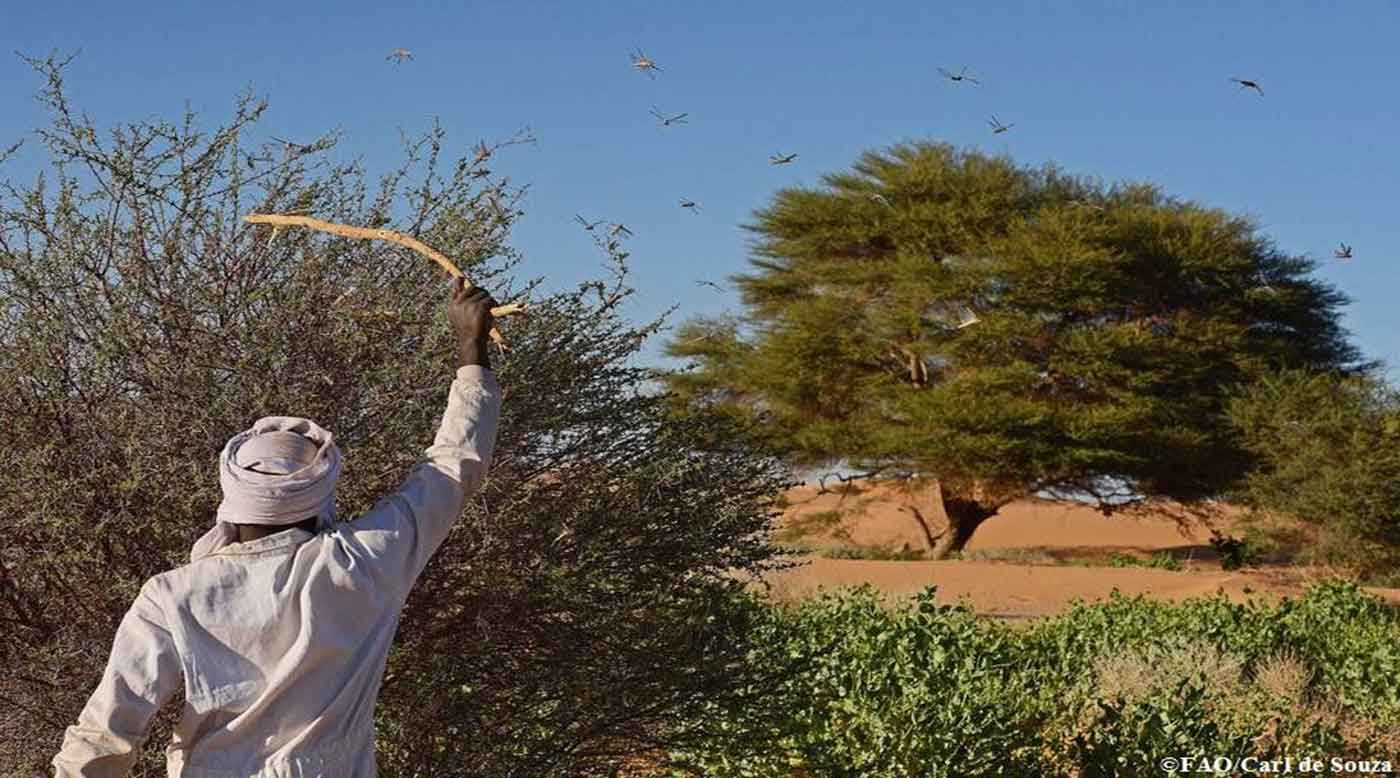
(1007, 330)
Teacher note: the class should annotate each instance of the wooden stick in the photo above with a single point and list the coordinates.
(278, 220)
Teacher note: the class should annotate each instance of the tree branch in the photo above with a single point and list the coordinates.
(374, 233)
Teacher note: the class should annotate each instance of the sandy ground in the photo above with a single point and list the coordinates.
(879, 516)
(1031, 560)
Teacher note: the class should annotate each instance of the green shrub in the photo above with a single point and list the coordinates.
(1234, 552)
(1326, 452)
(921, 689)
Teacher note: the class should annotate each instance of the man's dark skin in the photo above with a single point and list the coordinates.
(470, 314)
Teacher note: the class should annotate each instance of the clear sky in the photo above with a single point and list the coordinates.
(1112, 89)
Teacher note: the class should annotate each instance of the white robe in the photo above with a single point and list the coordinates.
(280, 643)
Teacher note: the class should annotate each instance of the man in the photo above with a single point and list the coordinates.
(278, 628)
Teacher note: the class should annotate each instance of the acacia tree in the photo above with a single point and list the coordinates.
(1007, 331)
(587, 603)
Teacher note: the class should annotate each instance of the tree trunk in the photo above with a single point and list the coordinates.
(961, 517)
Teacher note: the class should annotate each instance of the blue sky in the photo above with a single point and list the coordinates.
(1113, 89)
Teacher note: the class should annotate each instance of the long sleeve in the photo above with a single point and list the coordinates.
(401, 532)
(142, 674)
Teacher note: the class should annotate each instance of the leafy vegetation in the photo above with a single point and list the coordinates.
(1328, 455)
(1104, 689)
(1235, 552)
(1005, 331)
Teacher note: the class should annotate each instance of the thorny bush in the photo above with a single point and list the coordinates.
(586, 603)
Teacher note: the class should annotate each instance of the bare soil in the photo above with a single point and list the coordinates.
(1031, 560)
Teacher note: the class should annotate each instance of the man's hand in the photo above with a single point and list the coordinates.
(470, 314)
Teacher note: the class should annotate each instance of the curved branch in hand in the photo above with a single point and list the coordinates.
(376, 233)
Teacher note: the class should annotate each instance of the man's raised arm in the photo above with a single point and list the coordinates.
(404, 529)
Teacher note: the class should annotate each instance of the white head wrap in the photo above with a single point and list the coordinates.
(280, 471)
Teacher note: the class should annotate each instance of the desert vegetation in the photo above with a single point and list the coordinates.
(1104, 689)
(939, 314)
(569, 621)
(1327, 454)
(932, 314)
